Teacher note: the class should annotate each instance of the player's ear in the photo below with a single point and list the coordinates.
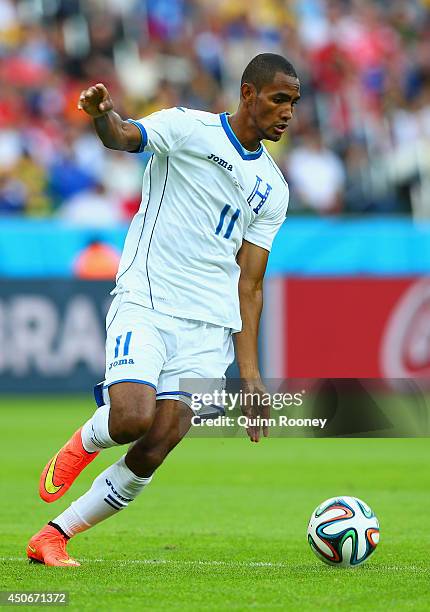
(248, 92)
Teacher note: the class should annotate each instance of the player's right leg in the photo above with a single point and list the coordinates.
(129, 415)
(135, 354)
(114, 489)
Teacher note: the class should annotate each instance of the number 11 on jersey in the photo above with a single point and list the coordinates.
(233, 218)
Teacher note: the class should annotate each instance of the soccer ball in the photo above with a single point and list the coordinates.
(343, 531)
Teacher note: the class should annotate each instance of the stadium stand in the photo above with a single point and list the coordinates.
(364, 67)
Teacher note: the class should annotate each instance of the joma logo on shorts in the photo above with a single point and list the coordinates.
(119, 362)
(220, 162)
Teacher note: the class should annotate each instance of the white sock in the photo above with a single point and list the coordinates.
(111, 492)
(95, 433)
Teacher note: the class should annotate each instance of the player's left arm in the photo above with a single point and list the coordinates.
(252, 260)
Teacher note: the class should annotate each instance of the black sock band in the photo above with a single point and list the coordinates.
(58, 528)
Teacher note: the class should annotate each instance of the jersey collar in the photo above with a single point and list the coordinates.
(248, 155)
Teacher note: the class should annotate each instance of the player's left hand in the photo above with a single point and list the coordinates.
(254, 408)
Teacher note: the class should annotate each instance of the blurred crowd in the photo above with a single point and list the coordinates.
(360, 141)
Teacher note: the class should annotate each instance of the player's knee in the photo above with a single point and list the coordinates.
(129, 419)
(132, 427)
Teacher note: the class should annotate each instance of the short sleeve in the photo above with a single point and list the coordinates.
(263, 229)
(163, 132)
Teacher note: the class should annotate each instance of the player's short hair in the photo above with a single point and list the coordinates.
(262, 68)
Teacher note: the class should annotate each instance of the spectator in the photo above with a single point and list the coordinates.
(364, 68)
(317, 176)
(97, 261)
(92, 207)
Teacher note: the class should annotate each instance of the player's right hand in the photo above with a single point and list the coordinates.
(95, 101)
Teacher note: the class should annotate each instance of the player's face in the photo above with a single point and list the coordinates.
(272, 108)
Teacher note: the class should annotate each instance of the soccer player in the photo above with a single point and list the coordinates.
(190, 277)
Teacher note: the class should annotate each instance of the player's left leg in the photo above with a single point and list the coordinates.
(114, 488)
(171, 424)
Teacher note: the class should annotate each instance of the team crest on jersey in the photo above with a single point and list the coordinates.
(257, 196)
(221, 162)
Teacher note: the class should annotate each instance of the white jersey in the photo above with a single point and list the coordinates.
(203, 194)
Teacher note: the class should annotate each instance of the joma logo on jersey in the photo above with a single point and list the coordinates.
(120, 362)
(220, 162)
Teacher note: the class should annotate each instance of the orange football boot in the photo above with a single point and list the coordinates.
(64, 467)
(48, 546)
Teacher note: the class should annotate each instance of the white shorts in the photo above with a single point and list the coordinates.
(149, 347)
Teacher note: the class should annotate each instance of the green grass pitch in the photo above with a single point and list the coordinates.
(223, 524)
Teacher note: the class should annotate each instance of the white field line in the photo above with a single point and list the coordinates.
(170, 562)
(250, 564)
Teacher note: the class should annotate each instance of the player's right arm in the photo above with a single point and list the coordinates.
(162, 133)
(111, 129)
